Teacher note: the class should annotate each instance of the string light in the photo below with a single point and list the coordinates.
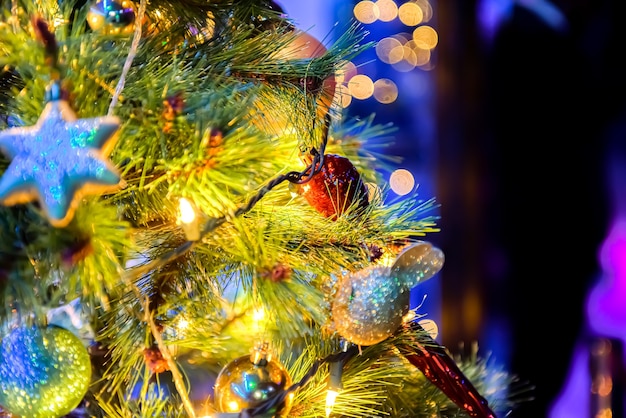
(210, 224)
(335, 378)
(188, 220)
(258, 320)
(335, 385)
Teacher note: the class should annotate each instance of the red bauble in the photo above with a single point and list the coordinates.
(335, 188)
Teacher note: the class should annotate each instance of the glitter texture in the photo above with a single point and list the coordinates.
(44, 372)
(370, 305)
(417, 263)
(57, 160)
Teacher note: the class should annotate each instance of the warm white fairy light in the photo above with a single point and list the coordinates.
(183, 324)
(258, 319)
(331, 396)
(258, 315)
(188, 219)
(187, 214)
(335, 385)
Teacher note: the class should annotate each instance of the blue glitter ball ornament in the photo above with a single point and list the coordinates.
(44, 372)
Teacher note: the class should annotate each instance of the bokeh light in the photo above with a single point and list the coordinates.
(374, 193)
(422, 56)
(427, 9)
(402, 181)
(345, 72)
(389, 50)
(403, 51)
(366, 11)
(410, 14)
(361, 87)
(430, 327)
(344, 96)
(387, 10)
(425, 37)
(385, 91)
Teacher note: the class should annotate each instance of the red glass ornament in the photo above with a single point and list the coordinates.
(440, 368)
(335, 188)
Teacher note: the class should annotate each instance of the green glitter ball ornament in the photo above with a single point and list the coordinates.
(44, 372)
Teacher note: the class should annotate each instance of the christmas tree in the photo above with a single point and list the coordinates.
(192, 227)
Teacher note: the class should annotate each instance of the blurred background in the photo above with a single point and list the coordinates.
(512, 115)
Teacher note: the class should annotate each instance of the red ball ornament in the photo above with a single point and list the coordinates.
(335, 188)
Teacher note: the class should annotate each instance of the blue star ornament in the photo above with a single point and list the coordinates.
(58, 160)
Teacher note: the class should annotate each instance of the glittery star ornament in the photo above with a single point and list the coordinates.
(58, 160)
(44, 372)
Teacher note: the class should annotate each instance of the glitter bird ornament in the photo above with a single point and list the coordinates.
(370, 304)
(44, 372)
(58, 160)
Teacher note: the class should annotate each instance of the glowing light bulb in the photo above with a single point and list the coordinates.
(183, 324)
(187, 214)
(233, 406)
(258, 315)
(331, 396)
(188, 219)
(335, 385)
